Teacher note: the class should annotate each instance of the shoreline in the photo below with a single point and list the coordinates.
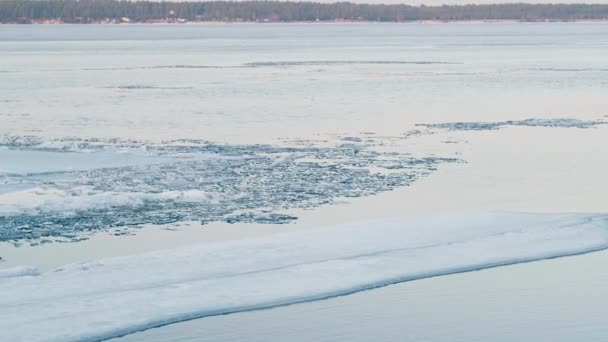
(350, 22)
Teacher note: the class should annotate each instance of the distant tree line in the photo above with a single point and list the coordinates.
(86, 11)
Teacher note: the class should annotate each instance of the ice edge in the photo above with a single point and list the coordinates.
(371, 286)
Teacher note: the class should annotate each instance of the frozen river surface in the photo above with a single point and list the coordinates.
(446, 148)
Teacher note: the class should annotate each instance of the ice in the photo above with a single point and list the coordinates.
(18, 271)
(43, 160)
(256, 85)
(71, 187)
(250, 65)
(91, 185)
(286, 159)
(112, 297)
(486, 126)
(47, 200)
(336, 62)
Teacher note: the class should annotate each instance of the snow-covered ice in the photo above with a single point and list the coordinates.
(112, 297)
(18, 271)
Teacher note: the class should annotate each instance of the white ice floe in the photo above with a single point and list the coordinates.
(287, 159)
(117, 296)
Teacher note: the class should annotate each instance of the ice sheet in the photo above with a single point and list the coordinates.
(112, 297)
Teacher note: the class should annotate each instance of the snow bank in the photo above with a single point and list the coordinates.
(117, 296)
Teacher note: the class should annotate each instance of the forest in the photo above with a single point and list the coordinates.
(113, 11)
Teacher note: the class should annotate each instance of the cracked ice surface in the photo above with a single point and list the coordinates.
(183, 180)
